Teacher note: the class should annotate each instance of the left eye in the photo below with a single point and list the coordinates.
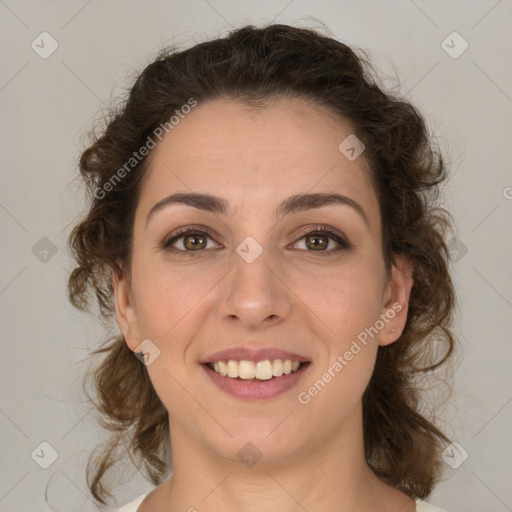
(318, 241)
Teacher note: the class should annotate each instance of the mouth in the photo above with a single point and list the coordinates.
(253, 371)
(255, 380)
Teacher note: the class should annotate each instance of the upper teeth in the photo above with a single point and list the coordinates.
(263, 370)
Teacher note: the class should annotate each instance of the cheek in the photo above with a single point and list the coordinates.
(167, 298)
(337, 390)
(347, 299)
(348, 303)
(170, 311)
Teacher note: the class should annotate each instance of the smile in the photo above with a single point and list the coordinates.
(251, 380)
(249, 370)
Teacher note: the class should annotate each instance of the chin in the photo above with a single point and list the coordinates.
(261, 443)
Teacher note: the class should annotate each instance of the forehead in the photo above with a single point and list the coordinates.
(254, 157)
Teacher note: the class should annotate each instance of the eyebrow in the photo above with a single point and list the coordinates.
(295, 203)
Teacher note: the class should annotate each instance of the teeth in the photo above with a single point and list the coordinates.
(262, 370)
(247, 370)
(223, 368)
(277, 368)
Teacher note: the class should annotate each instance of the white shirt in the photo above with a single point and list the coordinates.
(421, 506)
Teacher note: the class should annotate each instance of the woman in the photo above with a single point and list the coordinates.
(263, 223)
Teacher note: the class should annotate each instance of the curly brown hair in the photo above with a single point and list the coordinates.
(256, 65)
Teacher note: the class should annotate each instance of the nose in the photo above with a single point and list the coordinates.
(256, 293)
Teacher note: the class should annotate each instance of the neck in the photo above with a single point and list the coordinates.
(327, 475)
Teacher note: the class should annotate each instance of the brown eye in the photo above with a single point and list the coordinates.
(317, 242)
(194, 241)
(188, 241)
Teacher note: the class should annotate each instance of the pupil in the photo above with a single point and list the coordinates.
(193, 240)
(318, 245)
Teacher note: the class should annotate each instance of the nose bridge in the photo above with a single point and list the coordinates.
(255, 291)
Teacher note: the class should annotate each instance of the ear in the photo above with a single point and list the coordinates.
(396, 300)
(125, 311)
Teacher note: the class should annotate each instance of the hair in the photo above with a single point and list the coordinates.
(255, 66)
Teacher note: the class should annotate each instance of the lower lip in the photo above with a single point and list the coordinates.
(256, 389)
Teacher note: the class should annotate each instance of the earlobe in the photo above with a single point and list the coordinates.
(396, 305)
(125, 311)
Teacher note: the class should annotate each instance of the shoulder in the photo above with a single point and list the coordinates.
(423, 506)
(133, 505)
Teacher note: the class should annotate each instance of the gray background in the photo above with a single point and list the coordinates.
(48, 104)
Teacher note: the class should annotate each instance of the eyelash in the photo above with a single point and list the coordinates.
(317, 230)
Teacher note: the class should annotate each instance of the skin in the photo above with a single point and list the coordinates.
(290, 297)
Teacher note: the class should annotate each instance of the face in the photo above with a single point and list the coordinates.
(260, 278)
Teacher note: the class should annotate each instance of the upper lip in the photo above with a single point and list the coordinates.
(252, 354)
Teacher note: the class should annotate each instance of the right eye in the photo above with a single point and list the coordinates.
(191, 240)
